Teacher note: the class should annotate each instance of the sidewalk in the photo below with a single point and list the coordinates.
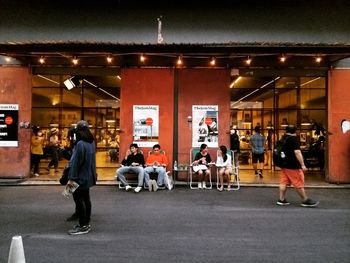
(181, 225)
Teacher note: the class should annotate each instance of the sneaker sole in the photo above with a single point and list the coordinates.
(79, 233)
(282, 204)
(313, 205)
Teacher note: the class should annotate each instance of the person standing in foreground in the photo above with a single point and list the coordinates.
(293, 172)
(257, 142)
(83, 172)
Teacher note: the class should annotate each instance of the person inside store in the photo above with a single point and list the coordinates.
(82, 172)
(202, 160)
(156, 163)
(133, 162)
(293, 172)
(36, 149)
(224, 165)
(257, 143)
(268, 152)
(53, 147)
(234, 145)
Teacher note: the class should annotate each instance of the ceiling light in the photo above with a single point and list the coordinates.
(283, 58)
(7, 59)
(318, 59)
(179, 61)
(142, 58)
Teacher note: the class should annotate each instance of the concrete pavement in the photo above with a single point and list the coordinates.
(178, 226)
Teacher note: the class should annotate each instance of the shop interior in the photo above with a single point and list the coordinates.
(271, 102)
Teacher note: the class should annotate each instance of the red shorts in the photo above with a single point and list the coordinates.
(293, 177)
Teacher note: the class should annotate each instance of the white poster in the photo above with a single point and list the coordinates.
(205, 125)
(146, 125)
(8, 125)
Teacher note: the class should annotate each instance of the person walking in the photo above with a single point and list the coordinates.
(132, 163)
(257, 143)
(293, 172)
(36, 149)
(54, 145)
(83, 172)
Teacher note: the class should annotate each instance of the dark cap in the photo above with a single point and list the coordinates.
(82, 124)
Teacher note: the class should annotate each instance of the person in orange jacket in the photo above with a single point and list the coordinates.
(156, 163)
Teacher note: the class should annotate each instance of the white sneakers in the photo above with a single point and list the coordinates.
(128, 188)
(202, 185)
(150, 185)
(155, 186)
(137, 189)
(36, 174)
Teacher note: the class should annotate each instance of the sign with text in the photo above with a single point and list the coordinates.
(146, 125)
(8, 125)
(205, 125)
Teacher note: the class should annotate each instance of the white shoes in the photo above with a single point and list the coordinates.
(128, 188)
(199, 185)
(150, 185)
(36, 174)
(204, 185)
(155, 186)
(137, 189)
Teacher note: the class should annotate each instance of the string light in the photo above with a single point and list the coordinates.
(212, 61)
(142, 58)
(41, 60)
(179, 61)
(109, 59)
(248, 61)
(283, 58)
(318, 59)
(75, 61)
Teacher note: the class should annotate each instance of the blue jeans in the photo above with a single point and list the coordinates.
(160, 170)
(130, 169)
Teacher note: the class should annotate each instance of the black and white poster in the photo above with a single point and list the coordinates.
(205, 125)
(8, 125)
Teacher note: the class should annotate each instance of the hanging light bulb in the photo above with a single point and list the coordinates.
(142, 58)
(41, 60)
(248, 61)
(75, 61)
(179, 61)
(318, 59)
(212, 61)
(109, 59)
(283, 58)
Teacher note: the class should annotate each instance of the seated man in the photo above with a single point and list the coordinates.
(132, 163)
(156, 163)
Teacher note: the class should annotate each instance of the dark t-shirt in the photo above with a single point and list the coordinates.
(199, 156)
(291, 144)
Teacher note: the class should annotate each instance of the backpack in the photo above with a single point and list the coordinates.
(279, 155)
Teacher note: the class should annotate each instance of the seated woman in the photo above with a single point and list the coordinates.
(224, 164)
(201, 164)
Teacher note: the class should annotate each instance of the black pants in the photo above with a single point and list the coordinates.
(35, 161)
(54, 157)
(83, 205)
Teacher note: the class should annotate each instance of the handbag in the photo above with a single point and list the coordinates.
(64, 177)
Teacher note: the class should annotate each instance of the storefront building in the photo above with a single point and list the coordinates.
(242, 67)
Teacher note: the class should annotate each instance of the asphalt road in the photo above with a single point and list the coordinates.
(182, 225)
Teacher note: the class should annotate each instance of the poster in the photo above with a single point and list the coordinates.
(8, 125)
(146, 125)
(205, 125)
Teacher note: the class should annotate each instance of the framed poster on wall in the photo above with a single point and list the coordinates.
(145, 125)
(8, 125)
(205, 125)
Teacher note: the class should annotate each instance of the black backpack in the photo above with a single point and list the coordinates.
(279, 154)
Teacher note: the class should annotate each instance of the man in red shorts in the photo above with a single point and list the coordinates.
(293, 172)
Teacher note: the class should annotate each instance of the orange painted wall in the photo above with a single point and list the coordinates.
(202, 87)
(147, 87)
(16, 88)
(338, 109)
